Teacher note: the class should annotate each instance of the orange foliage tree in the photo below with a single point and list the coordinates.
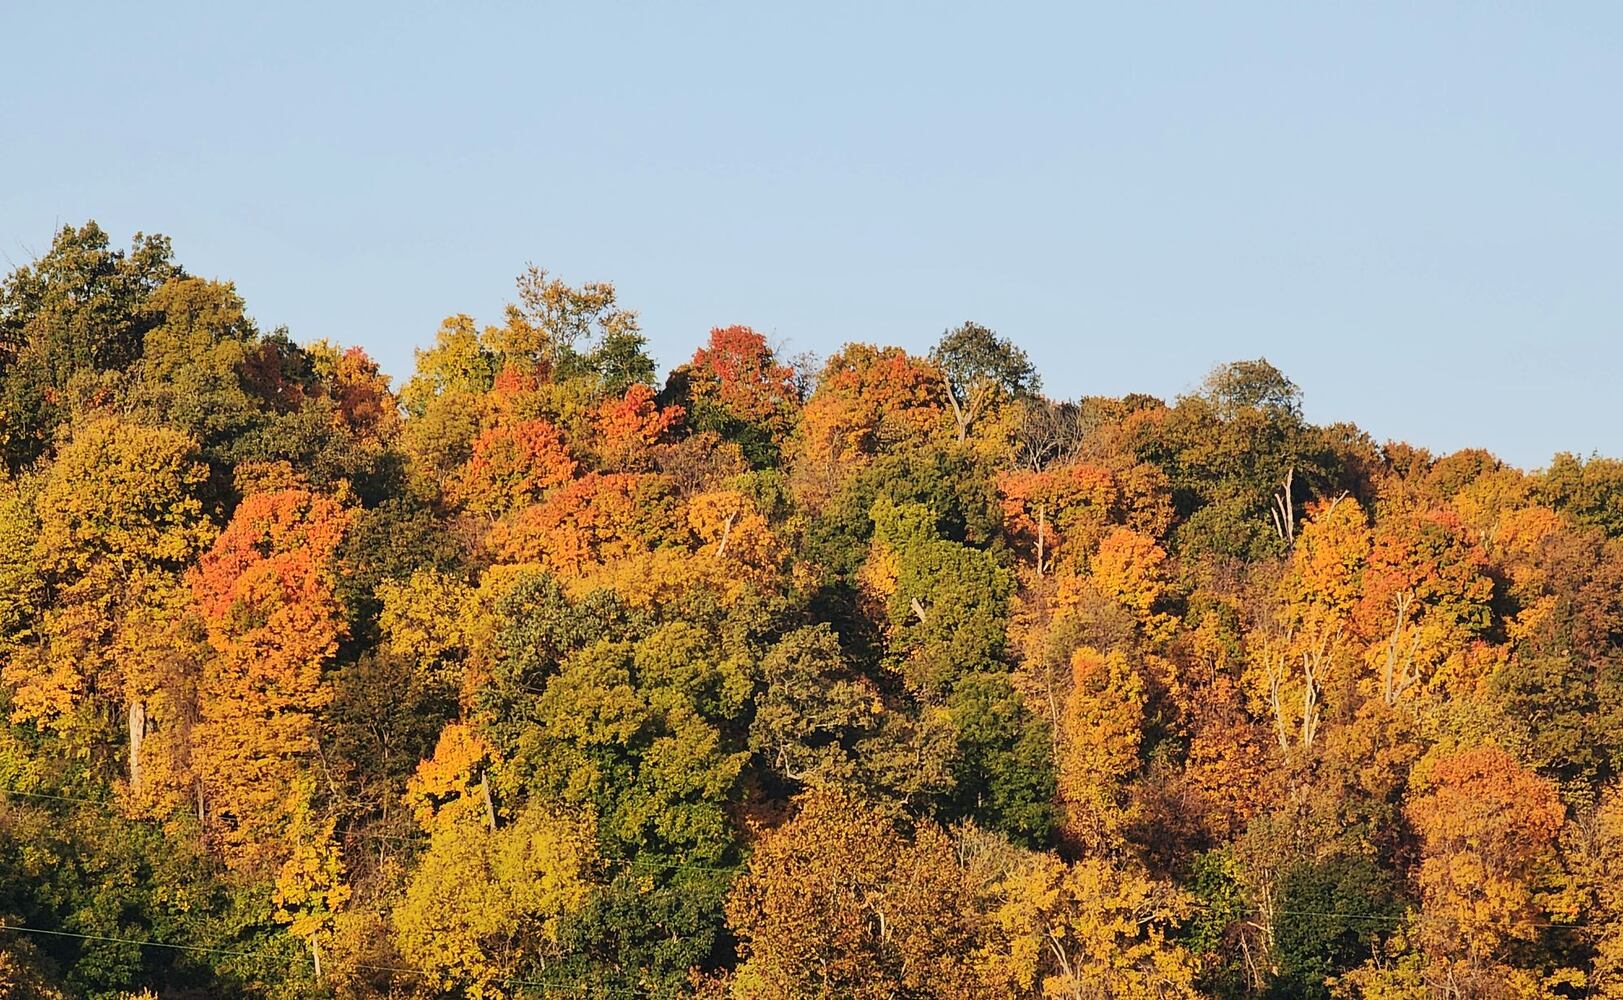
(1488, 830)
(867, 399)
(265, 590)
(513, 465)
(628, 428)
(1050, 513)
(737, 373)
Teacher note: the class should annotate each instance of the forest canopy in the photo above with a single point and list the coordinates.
(886, 677)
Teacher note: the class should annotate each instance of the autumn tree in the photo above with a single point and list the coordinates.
(118, 518)
(737, 386)
(1101, 734)
(628, 427)
(1488, 830)
(512, 465)
(74, 314)
(1088, 931)
(265, 591)
(485, 906)
(868, 400)
(1059, 513)
(1132, 571)
(837, 903)
(979, 369)
(541, 677)
(1593, 849)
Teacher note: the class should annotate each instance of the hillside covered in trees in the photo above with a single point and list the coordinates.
(884, 678)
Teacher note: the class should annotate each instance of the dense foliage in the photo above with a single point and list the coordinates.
(884, 678)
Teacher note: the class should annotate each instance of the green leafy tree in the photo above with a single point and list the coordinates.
(979, 370)
(81, 309)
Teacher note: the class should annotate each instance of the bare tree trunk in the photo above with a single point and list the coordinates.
(138, 732)
(726, 533)
(1276, 683)
(1310, 700)
(1398, 672)
(490, 806)
(1284, 511)
(1042, 529)
(958, 415)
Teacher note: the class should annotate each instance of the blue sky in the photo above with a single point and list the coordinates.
(1415, 210)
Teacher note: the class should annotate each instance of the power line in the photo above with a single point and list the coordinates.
(135, 941)
(1393, 919)
(237, 953)
(56, 798)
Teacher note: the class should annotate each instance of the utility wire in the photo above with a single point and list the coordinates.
(683, 866)
(237, 953)
(55, 798)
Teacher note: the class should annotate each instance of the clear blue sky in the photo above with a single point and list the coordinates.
(1416, 210)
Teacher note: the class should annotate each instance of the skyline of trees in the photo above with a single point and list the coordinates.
(539, 676)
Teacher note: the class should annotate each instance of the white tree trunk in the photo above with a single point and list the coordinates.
(138, 732)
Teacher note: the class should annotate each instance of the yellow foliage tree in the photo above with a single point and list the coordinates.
(117, 517)
(310, 888)
(836, 903)
(483, 905)
(1131, 570)
(1101, 732)
(1488, 829)
(1089, 931)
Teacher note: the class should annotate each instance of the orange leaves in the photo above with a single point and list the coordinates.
(361, 390)
(868, 399)
(276, 546)
(1483, 799)
(1488, 828)
(591, 521)
(513, 383)
(1229, 770)
(1327, 564)
(1131, 570)
(265, 591)
(1056, 511)
(628, 428)
(625, 532)
(727, 528)
(1426, 598)
(1427, 554)
(445, 787)
(738, 370)
(512, 465)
